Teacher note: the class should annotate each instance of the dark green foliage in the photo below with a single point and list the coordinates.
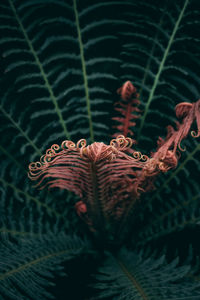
(27, 267)
(129, 275)
(61, 64)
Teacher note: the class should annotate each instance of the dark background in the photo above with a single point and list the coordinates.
(130, 42)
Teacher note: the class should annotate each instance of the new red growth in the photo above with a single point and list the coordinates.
(128, 109)
(107, 178)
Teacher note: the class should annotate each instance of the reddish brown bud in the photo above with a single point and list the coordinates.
(127, 90)
(80, 207)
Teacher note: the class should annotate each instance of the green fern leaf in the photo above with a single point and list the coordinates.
(61, 64)
(129, 276)
(27, 276)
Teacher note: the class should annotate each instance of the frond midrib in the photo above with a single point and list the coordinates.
(132, 278)
(47, 84)
(85, 79)
(149, 61)
(23, 133)
(37, 201)
(33, 262)
(15, 232)
(156, 80)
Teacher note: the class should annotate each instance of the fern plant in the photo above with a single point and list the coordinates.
(61, 64)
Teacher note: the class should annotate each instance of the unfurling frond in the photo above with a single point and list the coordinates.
(103, 176)
(166, 157)
(127, 108)
(107, 178)
(167, 149)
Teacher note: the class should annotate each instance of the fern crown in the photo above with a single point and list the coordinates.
(107, 179)
(134, 184)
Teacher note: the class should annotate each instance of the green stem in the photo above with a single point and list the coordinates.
(14, 232)
(84, 72)
(47, 84)
(156, 80)
(149, 61)
(132, 279)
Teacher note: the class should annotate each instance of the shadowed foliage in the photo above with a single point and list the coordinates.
(62, 63)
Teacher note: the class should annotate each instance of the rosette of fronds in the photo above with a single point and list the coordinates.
(106, 178)
(61, 63)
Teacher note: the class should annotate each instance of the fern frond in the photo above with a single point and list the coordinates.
(29, 265)
(162, 63)
(61, 64)
(128, 275)
(22, 211)
(152, 70)
(44, 97)
(39, 65)
(98, 173)
(18, 127)
(174, 204)
(189, 155)
(180, 212)
(36, 76)
(129, 96)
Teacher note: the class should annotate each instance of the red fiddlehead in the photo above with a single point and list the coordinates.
(127, 108)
